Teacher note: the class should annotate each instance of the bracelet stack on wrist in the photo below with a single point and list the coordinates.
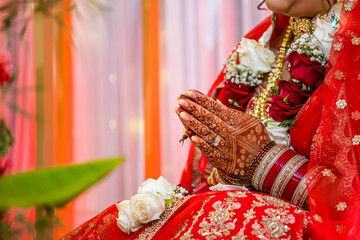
(255, 163)
(231, 180)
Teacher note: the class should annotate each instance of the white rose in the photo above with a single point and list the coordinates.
(160, 186)
(127, 221)
(278, 134)
(147, 206)
(255, 56)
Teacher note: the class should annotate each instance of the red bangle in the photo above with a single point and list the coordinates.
(276, 168)
(294, 181)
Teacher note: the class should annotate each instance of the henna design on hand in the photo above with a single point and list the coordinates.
(242, 135)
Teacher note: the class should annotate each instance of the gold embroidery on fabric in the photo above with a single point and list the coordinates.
(317, 218)
(274, 225)
(220, 221)
(348, 6)
(341, 104)
(152, 229)
(328, 173)
(182, 229)
(188, 235)
(355, 41)
(250, 214)
(355, 115)
(338, 46)
(339, 228)
(339, 75)
(356, 140)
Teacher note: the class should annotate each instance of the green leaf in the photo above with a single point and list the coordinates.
(287, 123)
(285, 100)
(233, 102)
(53, 187)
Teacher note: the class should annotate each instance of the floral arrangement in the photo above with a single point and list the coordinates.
(308, 45)
(248, 63)
(244, 70)
(148, 204)
(306, 61)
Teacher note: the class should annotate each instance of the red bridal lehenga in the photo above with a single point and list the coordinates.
(315, 164)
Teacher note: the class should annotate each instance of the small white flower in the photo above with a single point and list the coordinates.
(178, 195)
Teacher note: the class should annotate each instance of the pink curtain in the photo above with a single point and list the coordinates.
(108, 103)
(196, 37)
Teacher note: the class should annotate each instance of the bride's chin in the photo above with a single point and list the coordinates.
(294, 8)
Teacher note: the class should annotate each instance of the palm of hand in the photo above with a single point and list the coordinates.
(242, 135)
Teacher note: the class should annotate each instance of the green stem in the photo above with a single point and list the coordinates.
(44, 223)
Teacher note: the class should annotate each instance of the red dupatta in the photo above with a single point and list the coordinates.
(333, 181)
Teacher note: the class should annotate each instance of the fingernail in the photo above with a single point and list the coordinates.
(194, 139)
(178, 97)
(176, 110)
(190, 94)
(183, 103)
(184, 116)
(189, 133)
(182, 96)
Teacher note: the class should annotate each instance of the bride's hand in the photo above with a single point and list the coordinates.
(229, 139)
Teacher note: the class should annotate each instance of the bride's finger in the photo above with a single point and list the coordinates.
(228, 115)
(204, 132)
(214, 155)
(199, 122)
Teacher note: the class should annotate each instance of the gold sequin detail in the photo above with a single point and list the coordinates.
(328, 173)
(339, 75)
(355, 41)
(356, 140)
(355, 115)
(337, 46)
(341, 104)
(341, 206)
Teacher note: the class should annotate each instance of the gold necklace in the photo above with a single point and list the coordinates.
(296, 28)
